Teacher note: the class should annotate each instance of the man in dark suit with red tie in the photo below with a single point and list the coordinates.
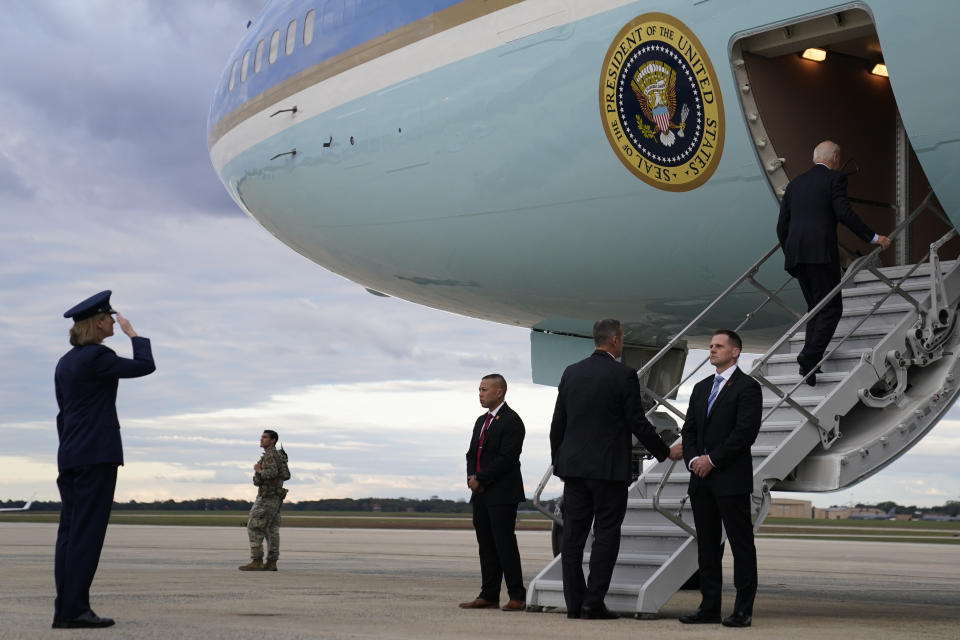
(598, 408)
(722, 423)
(812, 205)
(493, 477)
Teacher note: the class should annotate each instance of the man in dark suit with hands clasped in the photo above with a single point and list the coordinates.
(598, 408)
(721, 425)
(493, 477)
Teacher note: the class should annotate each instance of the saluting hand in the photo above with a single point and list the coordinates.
(125, 326)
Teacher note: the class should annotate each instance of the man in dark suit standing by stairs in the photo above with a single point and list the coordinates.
(493, 477)
(598, 407)
(722, 423)
(812, 206)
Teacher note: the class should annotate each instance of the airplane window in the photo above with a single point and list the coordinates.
(258, 58)
(244, 65)
(308, 27)
(291, 36)
(233, 76)
(274, 46)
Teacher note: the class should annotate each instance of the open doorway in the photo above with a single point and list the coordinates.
(791, 103)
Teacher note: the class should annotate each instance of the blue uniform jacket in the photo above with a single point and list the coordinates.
(86, 388)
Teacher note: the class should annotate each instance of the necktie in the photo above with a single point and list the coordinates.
(483, 435)
(717, 383)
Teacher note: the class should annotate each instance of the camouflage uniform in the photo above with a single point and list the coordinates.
(264, 520)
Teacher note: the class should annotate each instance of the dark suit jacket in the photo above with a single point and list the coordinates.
(726, 434)
(811, 208)
(598, 407)
(86, 386)
(500, 460)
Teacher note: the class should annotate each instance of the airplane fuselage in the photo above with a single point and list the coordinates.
(462, 155)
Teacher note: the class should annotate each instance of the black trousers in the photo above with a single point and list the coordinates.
(816, 281)
(709, 511)
(86, 497)
(494, 525)
(603, 504)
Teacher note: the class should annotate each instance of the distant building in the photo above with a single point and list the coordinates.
(832, 513)
(786, 508)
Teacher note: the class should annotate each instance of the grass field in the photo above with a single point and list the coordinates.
(853, 530)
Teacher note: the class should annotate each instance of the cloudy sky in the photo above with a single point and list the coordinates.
(105, 183)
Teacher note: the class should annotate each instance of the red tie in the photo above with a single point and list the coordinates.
(483, 435)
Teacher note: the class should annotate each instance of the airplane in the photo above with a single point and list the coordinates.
(25, 507)
(889, 515)
(459, 154)
(544, 163)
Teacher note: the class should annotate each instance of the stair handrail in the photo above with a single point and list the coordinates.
(747, 275)
(539, 506)
(829, 436)
(675, 519)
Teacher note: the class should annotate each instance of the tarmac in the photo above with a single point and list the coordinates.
(182, 582)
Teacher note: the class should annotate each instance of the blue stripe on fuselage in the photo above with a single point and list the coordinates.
(340, 26)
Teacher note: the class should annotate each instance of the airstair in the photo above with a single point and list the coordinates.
(890, 373)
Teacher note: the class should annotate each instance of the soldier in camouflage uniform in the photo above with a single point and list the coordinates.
(264, 521)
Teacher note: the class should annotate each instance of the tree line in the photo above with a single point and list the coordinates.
(433, 504)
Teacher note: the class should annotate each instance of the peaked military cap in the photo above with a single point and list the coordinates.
(97, 303)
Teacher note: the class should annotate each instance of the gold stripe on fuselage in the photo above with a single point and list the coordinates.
(425, 27)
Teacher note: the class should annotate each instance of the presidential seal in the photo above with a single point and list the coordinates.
(661, 104)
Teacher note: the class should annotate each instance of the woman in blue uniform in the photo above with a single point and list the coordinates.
(90, 450)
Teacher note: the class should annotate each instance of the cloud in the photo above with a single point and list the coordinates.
(118, 90)
(409, 438)
(12, 186)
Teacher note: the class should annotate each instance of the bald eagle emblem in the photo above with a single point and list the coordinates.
(655, 86)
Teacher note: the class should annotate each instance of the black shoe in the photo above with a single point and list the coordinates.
(700, 617)
(86, 620)
(599, 613)
(805, 366)
(737, 619)
(573, 614)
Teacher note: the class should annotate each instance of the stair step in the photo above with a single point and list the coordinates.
(803, 401)
(887, 308)
(790, 381)
(654, 530)
(762, 450)
(636, 559)
(670, 504)
(771, 425)
(843, 354)
(616, 588)
(897, 272)
(860, 334)
(881, 289)
(656, 477)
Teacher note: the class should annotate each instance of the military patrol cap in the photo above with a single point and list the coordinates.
(97, 303)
